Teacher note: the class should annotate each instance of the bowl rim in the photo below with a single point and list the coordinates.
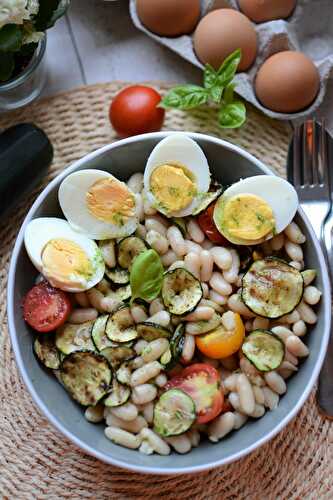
(14, 336)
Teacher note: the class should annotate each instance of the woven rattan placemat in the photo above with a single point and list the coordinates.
(36, 462)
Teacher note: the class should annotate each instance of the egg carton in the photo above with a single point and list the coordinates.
(309, 29)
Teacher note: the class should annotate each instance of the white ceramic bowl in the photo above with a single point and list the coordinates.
(228, 163)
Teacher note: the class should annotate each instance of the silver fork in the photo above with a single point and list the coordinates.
(308, 171)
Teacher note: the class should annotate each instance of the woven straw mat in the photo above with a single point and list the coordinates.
(36, 461)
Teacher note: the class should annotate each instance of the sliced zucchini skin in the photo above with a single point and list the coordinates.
(118, 395)
(98, 335)
(272, 288)
(117, 354)
(187, 286)
(129, 248)
(70, 338)
(123, 293)
(151, 331)
(120, 326)
(117, 275)
(176, 346)
(87, 376)
(46, 351)
(264, 349)
(174, 413)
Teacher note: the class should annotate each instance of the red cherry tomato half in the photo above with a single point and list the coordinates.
(201, 381)
(45, 308)
(207, 224)
(134, 111)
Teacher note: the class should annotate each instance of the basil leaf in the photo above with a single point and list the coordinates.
(7, 65)
(185, 97)
(210, 76)
(146, 276)
(10, 38)
(228, 68)
(228, 94)
(232, 115)
(216, 94)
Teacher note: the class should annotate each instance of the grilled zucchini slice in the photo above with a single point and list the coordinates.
(176, 347)
(119, 394)
(128, 249)
(98, 335)
(117, 275)
(87, 376)
(123, 293)
(71, 338)
(174, 413)
(120, 326)
(47, 352)
(117, 354)
(272, 288)
(264, 349)
(181, 291)
(151, 331)
(123, 373)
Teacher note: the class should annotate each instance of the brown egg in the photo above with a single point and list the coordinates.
(287, 82)
(169, 17)
(220, 33)
(266, 10)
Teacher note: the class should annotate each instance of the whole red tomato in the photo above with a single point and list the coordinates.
(134, 111)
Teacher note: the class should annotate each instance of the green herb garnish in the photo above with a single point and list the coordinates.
(146, 276)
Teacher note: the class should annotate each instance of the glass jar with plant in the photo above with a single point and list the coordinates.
(23, 24)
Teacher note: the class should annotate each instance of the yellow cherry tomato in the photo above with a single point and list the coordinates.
(221, 343)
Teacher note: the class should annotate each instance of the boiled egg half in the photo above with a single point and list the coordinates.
(255, 209)
(176, 176)
(97, 204)
(68, 260)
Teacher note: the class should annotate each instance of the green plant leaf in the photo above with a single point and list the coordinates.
(209, 77)
(7, 65)
(215, 94)
(228, 68)
(49, 12)
(228, 94)
(185, 97)
(10, 38)
(232, 115)
(146, 276)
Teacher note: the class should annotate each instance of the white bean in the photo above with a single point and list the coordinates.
(156, 306)
(194, 437)
(140, 346)
(296, 265)
(135, 425)
(104, 287)
(161, 318)
(271, 398)
(182, 444)
(218, 298)
(248, 325)
(200, 313)
(246, 396)
(137, 362)
(259, 396)
(157, 241)
(297, 347)
(108, 252)
(82, 299)
(290, 318)
(294, 234)
(157, 443)
(191, 246)
(94, 414)
(146, 372)
(240, 420)
(148, 412)
(221, 426)
(169, 258)
(290, 358)
(312, 295)
(306, 313)
(154, 350)
(199, 327)
(228, 320)
(237, 305)
(250, 371)
(141, 231)
(176, 265)
(140, 213)
(146, 448)
(135, 182)
(282, 332)
(286, 365)
(219, 284)
(138, 314)
(277, 242)
(258, 412)
(127, 411)
(212, 304)
(161, 380)
(147, 207)
(231, 274)
(176, 241)
(235, 401)
(82, 315)
(260, 324)
(142, 394)
(294, 251)
(192, 264)
(207, 244)
(205, 290)
(308, 276)
(153, 224)
(275, 382)
(195, 232)
(207, 264)
(299, 328)
(222, 257)
(124, 438)
(95, 298)
(285, 372)
(188, 348)
(110, 304)
(231, 382)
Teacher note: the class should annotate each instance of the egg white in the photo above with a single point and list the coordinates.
(178, 148)
(72, 198)
(40, 231)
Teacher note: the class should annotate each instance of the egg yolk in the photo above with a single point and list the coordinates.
(66, 262)
(173, 187)
(109, 200)
(248, 217)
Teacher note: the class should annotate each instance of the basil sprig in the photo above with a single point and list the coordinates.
(217, 88)
(146, 276)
